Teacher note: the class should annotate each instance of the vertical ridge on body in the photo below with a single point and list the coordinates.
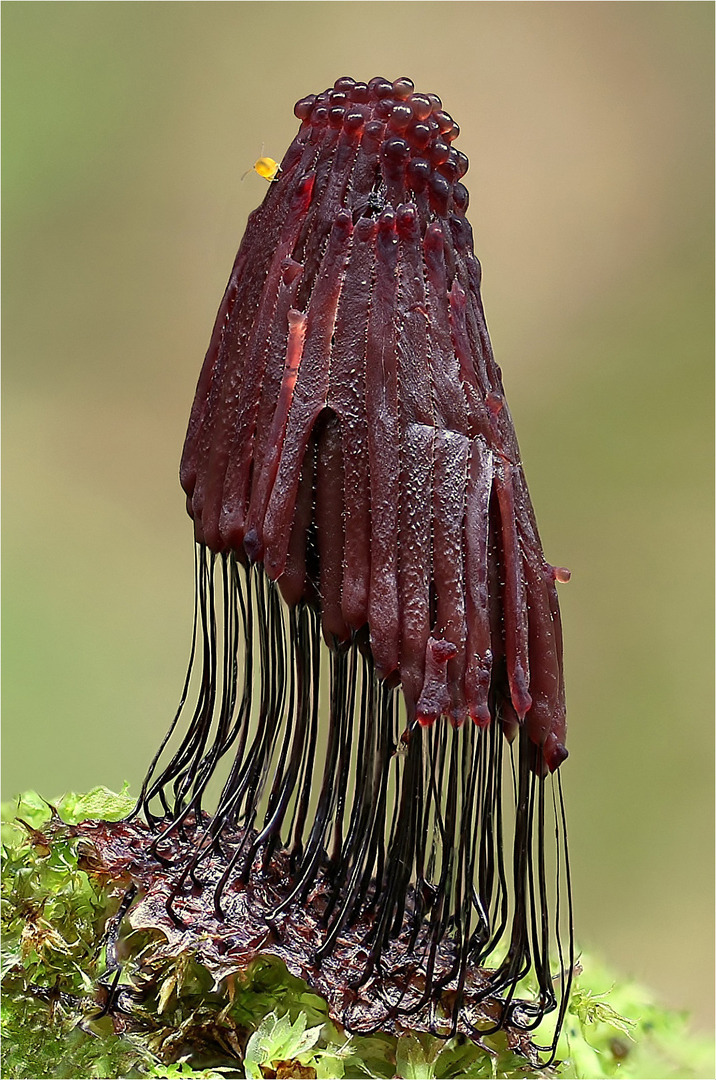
(383, 454)
(310, 395)
(346, 397)
(418, 426)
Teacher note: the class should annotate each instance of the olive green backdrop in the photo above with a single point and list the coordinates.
(127, 127)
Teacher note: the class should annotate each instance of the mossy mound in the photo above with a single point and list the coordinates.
(88, 995)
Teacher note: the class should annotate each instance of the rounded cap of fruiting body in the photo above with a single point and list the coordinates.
(409, 133)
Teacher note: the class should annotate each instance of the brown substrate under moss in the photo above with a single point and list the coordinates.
(390, 1001)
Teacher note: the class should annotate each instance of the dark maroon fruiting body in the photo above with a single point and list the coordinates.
(350, 442)
(353, 319)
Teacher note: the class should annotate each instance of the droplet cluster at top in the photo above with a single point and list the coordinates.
(411, 132)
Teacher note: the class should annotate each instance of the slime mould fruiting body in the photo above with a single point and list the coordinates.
(374, 709)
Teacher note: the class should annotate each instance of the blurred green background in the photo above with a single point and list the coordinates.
(127, 127)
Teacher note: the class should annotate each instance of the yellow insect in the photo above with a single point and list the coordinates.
(266, 167)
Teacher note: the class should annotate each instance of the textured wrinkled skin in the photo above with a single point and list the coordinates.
(350, 430)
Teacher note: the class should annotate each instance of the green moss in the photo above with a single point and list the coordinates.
(171, 1019)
